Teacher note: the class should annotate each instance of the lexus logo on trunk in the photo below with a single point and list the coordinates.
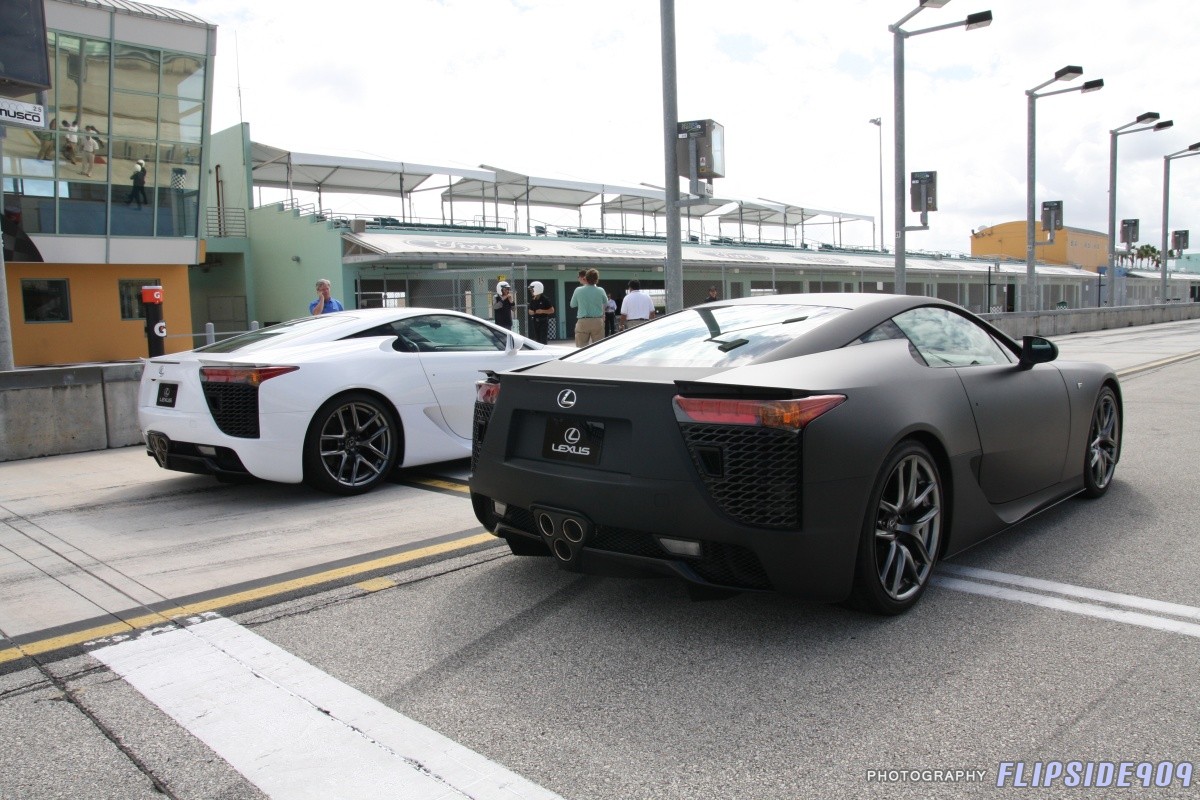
(566, 398)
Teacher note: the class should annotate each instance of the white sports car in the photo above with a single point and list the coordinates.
(337, 400)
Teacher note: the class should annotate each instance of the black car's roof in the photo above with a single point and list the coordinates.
(862, 312)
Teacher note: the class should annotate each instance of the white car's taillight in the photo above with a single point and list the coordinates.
(254, 376)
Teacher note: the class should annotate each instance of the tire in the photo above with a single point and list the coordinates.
(1103, 444)
(902, 532)
(352, 444)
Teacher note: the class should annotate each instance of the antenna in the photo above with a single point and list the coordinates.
(237, 60)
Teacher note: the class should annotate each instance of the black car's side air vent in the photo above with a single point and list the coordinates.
(752, 473)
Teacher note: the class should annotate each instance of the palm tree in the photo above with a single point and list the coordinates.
(1147, 253)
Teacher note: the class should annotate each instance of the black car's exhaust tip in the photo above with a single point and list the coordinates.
(565, 532)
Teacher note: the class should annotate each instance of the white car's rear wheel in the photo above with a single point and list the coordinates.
(352, 444)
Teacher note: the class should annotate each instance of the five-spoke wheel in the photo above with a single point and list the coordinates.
(902, 531)
(352, 444)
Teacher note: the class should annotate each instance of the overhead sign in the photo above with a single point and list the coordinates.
(28, 115)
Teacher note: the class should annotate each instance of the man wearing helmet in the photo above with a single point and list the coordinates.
(541, 309)
(502, 305)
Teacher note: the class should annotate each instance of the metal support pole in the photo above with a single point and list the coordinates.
(1031, 297)
(1163, 252)
(901, 285)
(1111, 261)
(673, 268)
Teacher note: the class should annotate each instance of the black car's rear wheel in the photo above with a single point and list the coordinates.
(1104, 444)
(901, 533)
(352, 444)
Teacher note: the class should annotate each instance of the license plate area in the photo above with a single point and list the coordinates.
(168, 393)
(573, 440)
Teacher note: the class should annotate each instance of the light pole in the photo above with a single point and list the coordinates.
(1191, 150)
(673, 265)
(1145, 121)
(1068, 73)
(978, 20)
(878, 123)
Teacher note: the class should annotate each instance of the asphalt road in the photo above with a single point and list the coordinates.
(1073, 637)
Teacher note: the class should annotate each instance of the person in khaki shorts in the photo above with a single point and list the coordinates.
(589, 300)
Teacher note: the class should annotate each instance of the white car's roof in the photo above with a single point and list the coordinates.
(328, 328)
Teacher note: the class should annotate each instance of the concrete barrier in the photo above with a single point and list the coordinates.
(51, 410)
(1080, 320)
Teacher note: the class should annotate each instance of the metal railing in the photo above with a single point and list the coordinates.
(226, 222)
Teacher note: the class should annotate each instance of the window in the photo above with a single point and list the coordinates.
(702, 336)
(129, 292)
(946, 339)
(46, 300)
(438, 333)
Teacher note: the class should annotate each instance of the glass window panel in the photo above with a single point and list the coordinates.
(177, 184)
(133, 205)
(135, 115)
(46, 300)
(93, 99)
(183, 75)
(136, 68)
(68, 90)
(129, 294)
(182, 120)
(81, 206)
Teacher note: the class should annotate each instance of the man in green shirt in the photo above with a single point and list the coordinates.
(589, 299)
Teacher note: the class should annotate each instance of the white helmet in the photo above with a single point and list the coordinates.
(536, 287)
(502, 285)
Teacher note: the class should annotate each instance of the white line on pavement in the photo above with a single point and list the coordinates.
(1075, 607)
(294, 731)
(1098, 595)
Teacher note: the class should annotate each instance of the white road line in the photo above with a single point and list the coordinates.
(1074, 607)
(1098, 595)
(294, 731)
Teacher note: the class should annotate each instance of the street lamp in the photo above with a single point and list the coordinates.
(1068, 73)
(1145, 121)
(1192, 150)
(978, 20)
(878, 123)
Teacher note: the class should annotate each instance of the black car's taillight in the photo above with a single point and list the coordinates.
(789, 415)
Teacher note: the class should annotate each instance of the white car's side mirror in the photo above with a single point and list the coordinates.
(510, 346)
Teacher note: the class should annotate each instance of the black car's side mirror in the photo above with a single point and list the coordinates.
(1037, 350)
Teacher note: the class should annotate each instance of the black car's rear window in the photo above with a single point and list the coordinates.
(710, 335)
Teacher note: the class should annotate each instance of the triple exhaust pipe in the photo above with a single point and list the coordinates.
(564, 532)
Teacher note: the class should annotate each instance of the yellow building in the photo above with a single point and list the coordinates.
(1075, 247)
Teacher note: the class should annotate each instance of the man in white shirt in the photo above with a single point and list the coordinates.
(637, 308)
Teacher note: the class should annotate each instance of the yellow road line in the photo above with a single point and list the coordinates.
(376, 584)
(237, 598)
(438, 483)
(1162, 362)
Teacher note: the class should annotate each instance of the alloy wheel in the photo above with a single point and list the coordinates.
(908, 524)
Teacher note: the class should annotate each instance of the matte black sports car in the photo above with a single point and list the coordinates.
(832, 446)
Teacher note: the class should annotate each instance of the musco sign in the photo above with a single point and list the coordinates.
(28, 115)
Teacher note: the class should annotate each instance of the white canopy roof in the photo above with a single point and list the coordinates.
(284, 169)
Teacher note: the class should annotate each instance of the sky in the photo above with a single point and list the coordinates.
(573, 89)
